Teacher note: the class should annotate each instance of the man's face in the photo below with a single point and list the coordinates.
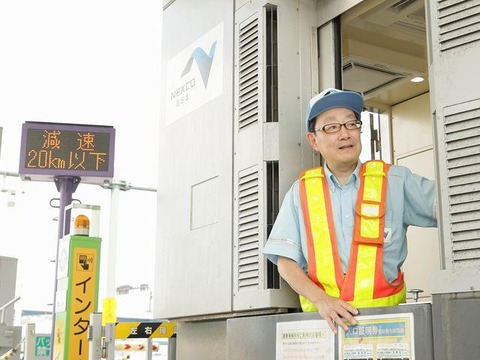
(342, 148)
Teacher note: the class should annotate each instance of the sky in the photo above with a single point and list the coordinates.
(86, 62)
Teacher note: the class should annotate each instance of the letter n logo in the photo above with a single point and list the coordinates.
(204, 62)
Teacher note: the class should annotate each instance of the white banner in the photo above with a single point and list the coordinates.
(305, 340)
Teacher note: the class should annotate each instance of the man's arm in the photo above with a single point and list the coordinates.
(330, 308)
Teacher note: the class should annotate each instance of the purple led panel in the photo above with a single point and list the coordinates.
(55, 149)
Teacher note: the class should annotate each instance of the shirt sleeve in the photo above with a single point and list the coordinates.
(285, 237)
(420, 200)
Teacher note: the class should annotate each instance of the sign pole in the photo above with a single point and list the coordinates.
(66, 185)
(112, 241)
(95, 337)
(66, 154)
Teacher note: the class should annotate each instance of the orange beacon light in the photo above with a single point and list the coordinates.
(81, 225)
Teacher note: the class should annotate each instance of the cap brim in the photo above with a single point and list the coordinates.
(344, 99)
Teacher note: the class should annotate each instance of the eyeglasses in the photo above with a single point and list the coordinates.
(335, 127)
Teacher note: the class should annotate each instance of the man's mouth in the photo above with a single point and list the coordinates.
(345, 147)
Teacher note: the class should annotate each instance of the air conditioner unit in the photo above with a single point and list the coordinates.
(370, 77)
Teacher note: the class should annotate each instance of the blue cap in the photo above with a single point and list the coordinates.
(331, 99)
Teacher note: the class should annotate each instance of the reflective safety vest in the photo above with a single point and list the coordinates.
(364, 284)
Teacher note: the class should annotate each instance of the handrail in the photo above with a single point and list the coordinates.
(2, 309)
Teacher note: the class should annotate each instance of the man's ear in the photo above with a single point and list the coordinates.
(312, 140)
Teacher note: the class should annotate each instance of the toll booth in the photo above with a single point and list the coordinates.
(238, 77)
(381, 333)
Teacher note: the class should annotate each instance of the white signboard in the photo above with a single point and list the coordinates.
(195, 75)
(305, 340)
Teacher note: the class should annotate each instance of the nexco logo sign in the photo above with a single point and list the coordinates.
(195, 75)
(204, 64)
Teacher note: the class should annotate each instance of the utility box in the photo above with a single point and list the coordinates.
(454, 52)
(194, 247)
(231, 144)
(8, 279)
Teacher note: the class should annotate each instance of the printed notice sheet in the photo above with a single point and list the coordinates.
(378, 337)
(305, 340)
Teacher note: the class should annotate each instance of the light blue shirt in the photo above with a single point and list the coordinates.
(411, 200)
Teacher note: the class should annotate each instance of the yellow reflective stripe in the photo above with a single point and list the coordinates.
(307, 305)
(321, 233)
(365, 272)
(313, 174)
(374, 176)
(392, 300)
(369, 228)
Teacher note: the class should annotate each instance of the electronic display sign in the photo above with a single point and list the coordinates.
(55, 149)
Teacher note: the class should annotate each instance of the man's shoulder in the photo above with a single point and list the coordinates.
(398, 170)
(295, 185)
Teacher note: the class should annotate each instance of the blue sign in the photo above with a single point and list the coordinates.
(386, 329)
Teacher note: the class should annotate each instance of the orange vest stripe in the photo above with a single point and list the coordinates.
(384, 288)
(364, 285)
(350, 278)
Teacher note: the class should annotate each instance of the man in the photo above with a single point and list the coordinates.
(339, 238)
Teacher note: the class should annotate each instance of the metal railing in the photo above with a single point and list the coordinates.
(4, 307)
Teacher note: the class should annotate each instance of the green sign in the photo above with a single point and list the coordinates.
(42, 345)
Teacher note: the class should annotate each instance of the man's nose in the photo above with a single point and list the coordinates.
(343, 133)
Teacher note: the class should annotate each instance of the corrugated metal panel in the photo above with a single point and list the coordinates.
(248, 75)
(462, 144)
(248, 230)
(459, 23)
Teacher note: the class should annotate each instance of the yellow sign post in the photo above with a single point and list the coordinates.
(77, 295)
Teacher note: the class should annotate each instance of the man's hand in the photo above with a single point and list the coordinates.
(336, 312)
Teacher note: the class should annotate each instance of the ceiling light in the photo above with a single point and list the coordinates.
(417, 79)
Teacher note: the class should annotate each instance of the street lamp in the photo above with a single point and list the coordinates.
(125, 289)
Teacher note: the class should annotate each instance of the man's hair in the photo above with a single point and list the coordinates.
(311, 125)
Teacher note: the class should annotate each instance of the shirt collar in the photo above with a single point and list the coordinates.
(333, 182)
